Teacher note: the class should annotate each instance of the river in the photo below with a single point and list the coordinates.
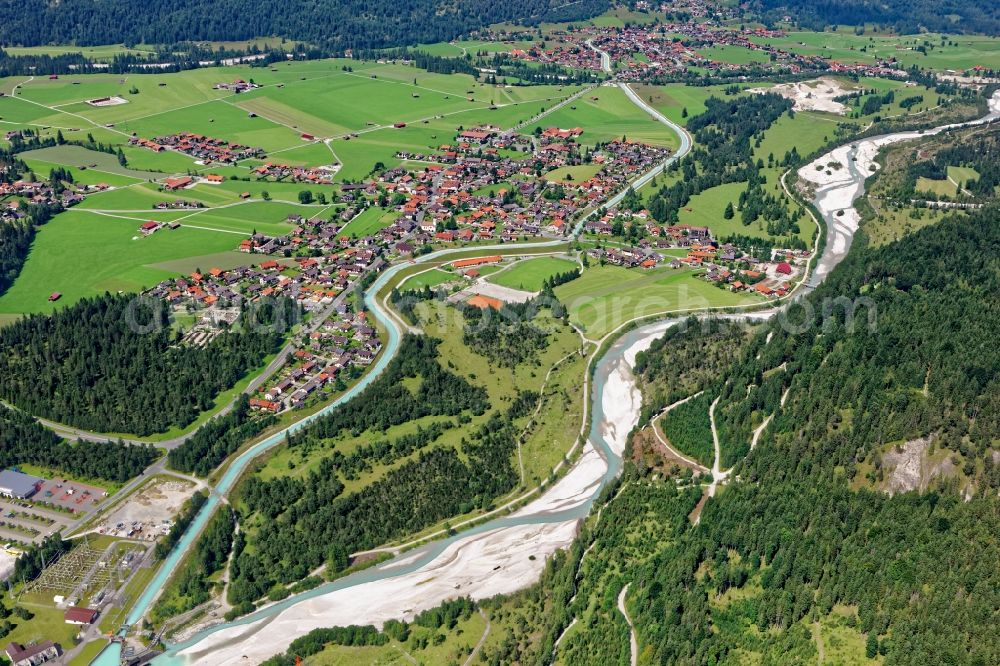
(504, 554)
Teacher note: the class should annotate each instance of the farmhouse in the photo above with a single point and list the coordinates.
(32, 655)
(16, 484)
(148, 228)
(177, 183)
(266, 405)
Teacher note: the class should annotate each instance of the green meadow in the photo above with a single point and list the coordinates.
(430, 278)
(81, 254)
(369, 221)
(736, 55)
(530, 274)
(82, 160)
(957, 52)
(100, 53)
(606, 114)
(807, 131)
(605, 297)
(962, 175)
(672, 99)
(572, 174)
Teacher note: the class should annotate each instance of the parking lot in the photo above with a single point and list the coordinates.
(57, 504)
(72, 495)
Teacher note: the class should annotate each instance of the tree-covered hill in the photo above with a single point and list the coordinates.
(335, 24)
(109, 365)
(799, 555)
(905, 16)
(801, 527)
(920, 361)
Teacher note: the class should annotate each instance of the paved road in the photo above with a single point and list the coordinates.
(605, 58)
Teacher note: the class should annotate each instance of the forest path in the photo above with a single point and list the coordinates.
(633, 643)
(662, 436)
(482, 639)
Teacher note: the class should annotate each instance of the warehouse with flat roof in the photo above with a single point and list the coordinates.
(16, 484)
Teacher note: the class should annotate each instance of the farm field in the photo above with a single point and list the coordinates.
(359, 155)
(530, 274)
(369, 221)
(605, 297)
(572, 174)
(672, 99)
(959, 52)
(43, 170)
(607, 114)
(459, 48)
(82, 160)
(82, 254)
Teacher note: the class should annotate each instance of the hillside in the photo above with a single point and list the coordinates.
(803, 525)
(949, 16)
(803, 558)
(336, 24)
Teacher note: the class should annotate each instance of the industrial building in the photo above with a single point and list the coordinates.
(16, 484)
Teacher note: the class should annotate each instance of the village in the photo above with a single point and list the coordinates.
(41, 194)
(667, 51)
(203, 148)
(723, 263)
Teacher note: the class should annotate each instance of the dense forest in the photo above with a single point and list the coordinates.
(25, 441)
(345, 24)
(112, 364)
(906, 353)
(796, 529)
(192, 583)
(905, 16)
(509, 336)
(213, 442)
(689, 430)
(791, 550)
(686, 359)
(430, 484)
